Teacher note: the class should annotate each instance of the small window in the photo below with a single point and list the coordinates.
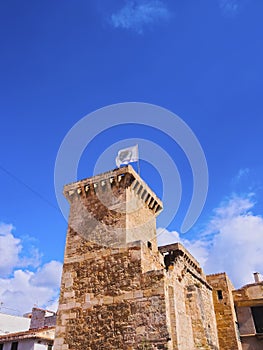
(219, 294)
(149, 245)
(257, 312)
(14, 345)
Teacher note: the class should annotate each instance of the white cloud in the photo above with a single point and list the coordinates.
(231, 8)
(12, 251)
(135, 15)
(234, 206)
(31, 258)
(229, 5)
(242, 172)
(232, 241)
(48, 275)
(10, 247)
(237, 245)
(21, 289)
(197, 248)
(20, 292)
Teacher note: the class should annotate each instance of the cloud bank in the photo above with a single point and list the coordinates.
(232, 241)
(24, 282)
(136, 15)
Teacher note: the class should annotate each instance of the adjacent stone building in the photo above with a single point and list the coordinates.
(249, 308)
(227, 324)
(118, 290)
(239, 313)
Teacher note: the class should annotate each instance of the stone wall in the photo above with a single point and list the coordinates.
(114, 208)
(191, 305)
(118, 291)
(112, 290)
(225, 312)
(125, 298)
(106, 301)
(41, 318)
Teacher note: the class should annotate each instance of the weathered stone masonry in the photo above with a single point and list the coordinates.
(118, 291)
(225, 312)
(195, 325)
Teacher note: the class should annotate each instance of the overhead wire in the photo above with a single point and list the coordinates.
(36, 193)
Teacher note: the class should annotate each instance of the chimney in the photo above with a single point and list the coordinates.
(256, 277)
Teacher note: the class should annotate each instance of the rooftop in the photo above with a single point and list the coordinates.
(47, 333)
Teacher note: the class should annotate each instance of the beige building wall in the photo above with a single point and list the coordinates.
(194, 317)
(249, 307)
(227, 324)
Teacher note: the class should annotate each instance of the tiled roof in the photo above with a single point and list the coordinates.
(40, 333)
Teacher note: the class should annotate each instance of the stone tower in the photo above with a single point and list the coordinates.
(112, 291)
(118, 290)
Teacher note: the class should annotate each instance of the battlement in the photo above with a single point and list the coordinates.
(102, 184)
(172, 251)
(113, 208)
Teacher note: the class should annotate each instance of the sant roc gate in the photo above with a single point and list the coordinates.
(119, 290)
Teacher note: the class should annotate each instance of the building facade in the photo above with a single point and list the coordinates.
(34, 332)
(227, 323)
(118, 289)
(11, 323)
(249, 308)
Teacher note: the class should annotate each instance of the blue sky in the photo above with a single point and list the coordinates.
(61, 60)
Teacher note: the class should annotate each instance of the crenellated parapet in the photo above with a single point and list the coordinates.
(175, 251)
(108, 183)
